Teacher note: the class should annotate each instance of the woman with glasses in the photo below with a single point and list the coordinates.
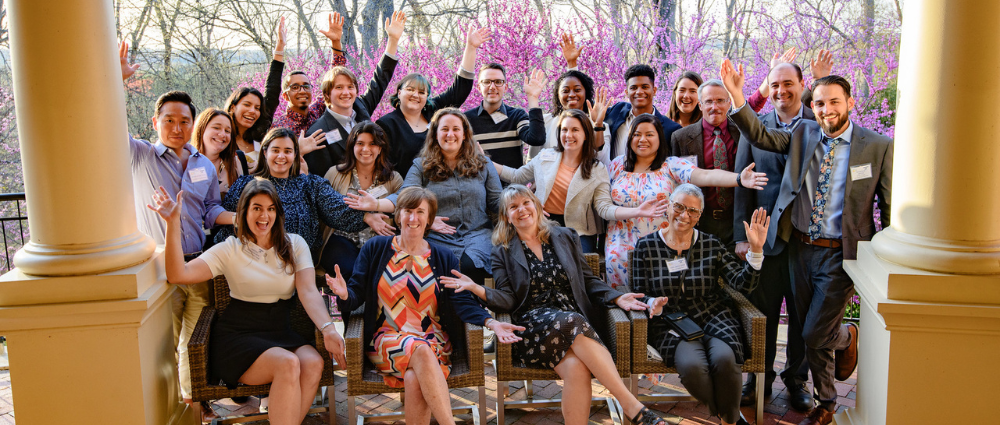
(646, 172)
(678, 269)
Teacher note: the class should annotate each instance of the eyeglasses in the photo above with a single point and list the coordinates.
(296, 87)
(680, 208)
(487, 83)
(710, 103)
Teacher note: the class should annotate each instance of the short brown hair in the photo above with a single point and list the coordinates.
(411, 198)
(327, 83)
(834, 80)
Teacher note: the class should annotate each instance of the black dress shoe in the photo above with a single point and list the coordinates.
(799, 398)
(749, 396)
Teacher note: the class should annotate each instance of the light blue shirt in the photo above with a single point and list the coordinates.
(831, 225)
(155, 165)
(795, 120)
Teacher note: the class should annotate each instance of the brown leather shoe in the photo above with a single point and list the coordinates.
(818, 416)
(846, 360)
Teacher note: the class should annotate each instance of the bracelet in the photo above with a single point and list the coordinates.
(337, 50)
(739, 183)
(488, 321)
(325, 325)
(601, 128)
(279, 52)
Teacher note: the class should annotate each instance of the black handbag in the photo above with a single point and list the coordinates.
(680, 322)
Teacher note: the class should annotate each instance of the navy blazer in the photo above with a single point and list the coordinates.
(617, 115)
(453, 308)
(770, 163)
(330, 155)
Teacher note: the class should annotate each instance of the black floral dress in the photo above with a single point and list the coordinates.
(549, 315)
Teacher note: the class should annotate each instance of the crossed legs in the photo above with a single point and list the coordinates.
(586, 358)
(426, 389)
(294, 378)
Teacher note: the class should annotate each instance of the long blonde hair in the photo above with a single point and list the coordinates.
(504, 232)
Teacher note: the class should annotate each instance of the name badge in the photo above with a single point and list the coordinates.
(378, 192)
(498, 117)
(693, 159)
(198, 175)
(333, 136)
(548, 155)
(677, 265)
(863, 171)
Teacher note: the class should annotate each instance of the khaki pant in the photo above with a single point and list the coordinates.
(187, 303)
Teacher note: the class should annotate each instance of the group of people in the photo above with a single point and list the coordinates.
(410, 214)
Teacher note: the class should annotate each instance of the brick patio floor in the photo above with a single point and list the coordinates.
(776, 410)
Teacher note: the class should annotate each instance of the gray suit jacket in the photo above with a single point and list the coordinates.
(867, 147)
(770, 163)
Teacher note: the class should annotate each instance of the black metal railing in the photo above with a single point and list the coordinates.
(13, 226)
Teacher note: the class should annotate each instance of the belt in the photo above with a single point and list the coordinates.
(825, 243)
(720, 214)
(191, 256)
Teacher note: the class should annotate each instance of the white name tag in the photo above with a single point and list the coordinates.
(548, 155)
(198, 175)
(693, 159)
(863, 171)
(378, 192)
(333, 136)
(498, 117)
(677, 265)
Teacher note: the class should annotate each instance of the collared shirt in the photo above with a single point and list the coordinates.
(831, 225)
(502, 132)
(345, 121)
(708, 137)
(155, 165)
(299, 123)
(795, 120)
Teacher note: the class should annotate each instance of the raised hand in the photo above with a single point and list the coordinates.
(569, 49)
(376, 221)
(654, 207)
(822, 65)
(786, 57)
(334, 344)
(757, 229)
(599, 107)
(282, 34)
(394, 25)
(311, 143)
(534, 86)
(128, 69)
(459, 283)
(505, 332)
(752, 180)
(658, 304)
(165, 206)
(733, 78)
(335, 28)
(476, 38)
(441, 227)
(630, 301)
(337, 283)
(363, 201)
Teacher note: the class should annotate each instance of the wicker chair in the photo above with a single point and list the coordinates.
(364, 379)
(202, 390)
(753, 326)
(507, 370)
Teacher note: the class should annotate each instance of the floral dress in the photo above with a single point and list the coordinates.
(630, 190)
(408, 312)
(550, 315)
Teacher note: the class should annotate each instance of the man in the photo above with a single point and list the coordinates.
(834, 173)
(711, 144)
(785, 81)
(640, 89)
(499, 128)
(344, 108)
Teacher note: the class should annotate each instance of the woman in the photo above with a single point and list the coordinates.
(307, 199)
(211, 137)
(543, 281)
(684, 107)
(466, 185)
(366, 169)
(645, 172)
(409, 330)
(574, 90)
(252, 340)
(572, 185)
(406, 126)
(709, 367)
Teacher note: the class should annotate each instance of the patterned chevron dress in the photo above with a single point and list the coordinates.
(408, 316)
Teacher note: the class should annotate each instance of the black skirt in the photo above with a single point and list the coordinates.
(244, 331)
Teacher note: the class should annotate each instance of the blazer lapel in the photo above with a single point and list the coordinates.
(692, 144)
(517, 253)
(858, 145)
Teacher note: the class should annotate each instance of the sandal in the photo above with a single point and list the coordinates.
(647, 417)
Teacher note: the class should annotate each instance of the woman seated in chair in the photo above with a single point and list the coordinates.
(678, 268)
(542, 280)
(252, 340)
(409, 316)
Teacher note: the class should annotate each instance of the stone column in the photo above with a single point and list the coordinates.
(930, 284)
(72, 130)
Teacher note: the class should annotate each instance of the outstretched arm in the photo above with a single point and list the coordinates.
(393, 31)
(473, 40)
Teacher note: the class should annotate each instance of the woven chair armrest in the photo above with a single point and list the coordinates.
(355, 346)
(505, 360)
(754, 326)
(640, 325)
(474, 343)
(620, 344)
(198, 348)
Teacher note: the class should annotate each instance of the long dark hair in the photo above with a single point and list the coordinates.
(259, 127)
(470, 161)
(264, 170)
(585, 81)
(383, 167)
(674, 112)
(279, 239)
(228, 155)
(588, 157)
(661, 150)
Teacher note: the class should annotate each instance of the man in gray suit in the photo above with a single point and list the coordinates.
(785, 79)
(711, 144)
(833, 174)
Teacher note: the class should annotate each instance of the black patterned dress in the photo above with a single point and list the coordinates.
(550, 315)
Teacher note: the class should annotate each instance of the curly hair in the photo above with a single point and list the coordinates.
(470, 161)
(585, 81)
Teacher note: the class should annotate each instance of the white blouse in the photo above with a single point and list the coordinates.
(255, 274)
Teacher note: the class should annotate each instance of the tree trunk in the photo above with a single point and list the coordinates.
(306, 25)
(372, 15)
(869, 26)
(349, 40)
